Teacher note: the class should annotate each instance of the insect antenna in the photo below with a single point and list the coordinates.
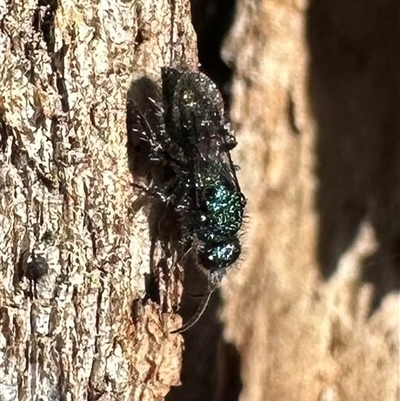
(195, 318)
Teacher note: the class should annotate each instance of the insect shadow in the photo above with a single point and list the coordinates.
(166, 251)
(179, 143)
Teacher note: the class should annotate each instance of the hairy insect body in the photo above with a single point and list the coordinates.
(221, 208)
(217, 220)
(214, 205)
(194, 146)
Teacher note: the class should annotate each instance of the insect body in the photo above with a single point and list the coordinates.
(194, 147)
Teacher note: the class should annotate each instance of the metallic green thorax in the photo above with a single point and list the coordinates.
(183, 148)
(212, 204)
(221, 212)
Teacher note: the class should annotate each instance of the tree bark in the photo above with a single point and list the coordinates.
(311, 312)
(314, 308)
(74, 252)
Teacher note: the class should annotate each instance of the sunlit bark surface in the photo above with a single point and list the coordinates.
(73, 252)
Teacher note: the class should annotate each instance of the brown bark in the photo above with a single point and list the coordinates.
(66, 201)
(314, 308)
(312, 311)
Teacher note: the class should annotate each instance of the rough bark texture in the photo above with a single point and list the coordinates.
(73, 252)
(312, 312)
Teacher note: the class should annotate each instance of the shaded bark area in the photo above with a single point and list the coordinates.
(210, 367)
(354, 98)
(212, 20)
